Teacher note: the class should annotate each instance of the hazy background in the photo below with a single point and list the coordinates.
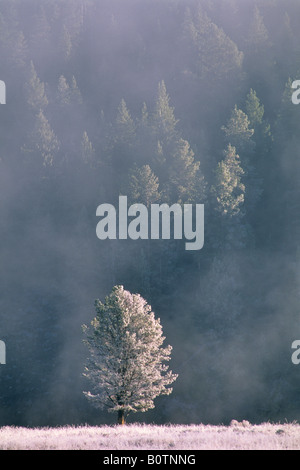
(128, 97)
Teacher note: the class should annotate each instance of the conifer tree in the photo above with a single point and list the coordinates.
(262, 129)
(164, 119)
(238, 132)
(145, 142)
(122, 142)
(185, 182)
(143, 186)
(126, 366)
(145, 115)
(67, 94)
(87, 150)
(239, 135)
(229, 194)
(35, 91)
(63, 91)
(125, 124)
(76, 97)
(258, 37)
(66, 43)
(42, 143)
(19, 49)
(228, 189)
(218, 57)
(258, 52)
(254, 110)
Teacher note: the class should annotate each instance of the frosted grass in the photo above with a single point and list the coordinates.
(237, 436)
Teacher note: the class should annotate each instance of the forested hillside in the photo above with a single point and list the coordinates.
(176, 101)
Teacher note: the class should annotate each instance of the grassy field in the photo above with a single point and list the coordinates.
(237, 436)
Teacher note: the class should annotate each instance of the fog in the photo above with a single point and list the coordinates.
(96, 91)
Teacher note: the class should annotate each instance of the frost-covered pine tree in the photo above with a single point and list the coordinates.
(126, 363)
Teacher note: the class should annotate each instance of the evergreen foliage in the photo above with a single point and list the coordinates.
(141, 98)
(126, 363)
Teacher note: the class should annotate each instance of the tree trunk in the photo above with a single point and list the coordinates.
(121, 417)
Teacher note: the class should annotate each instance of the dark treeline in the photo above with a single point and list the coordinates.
(163, 101)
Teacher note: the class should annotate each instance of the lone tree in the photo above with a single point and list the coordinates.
(125, 366)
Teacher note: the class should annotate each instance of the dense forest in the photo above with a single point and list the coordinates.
(176, 101)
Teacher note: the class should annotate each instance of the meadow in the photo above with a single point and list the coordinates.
(236, 436)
